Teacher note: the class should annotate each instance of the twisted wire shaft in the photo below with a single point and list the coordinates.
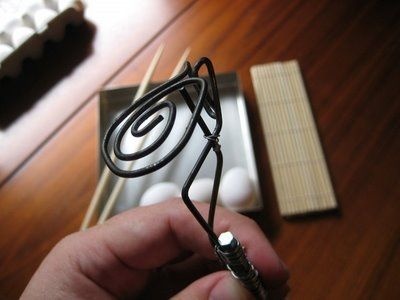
(232, 255)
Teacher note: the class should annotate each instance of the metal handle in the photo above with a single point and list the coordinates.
(231, 253)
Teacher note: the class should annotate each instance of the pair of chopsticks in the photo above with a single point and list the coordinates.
(106, 173)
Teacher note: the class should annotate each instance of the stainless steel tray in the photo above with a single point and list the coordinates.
(235, 139)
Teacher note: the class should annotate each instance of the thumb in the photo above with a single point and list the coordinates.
(220, 285)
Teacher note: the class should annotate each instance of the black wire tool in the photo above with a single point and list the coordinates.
(143, 115)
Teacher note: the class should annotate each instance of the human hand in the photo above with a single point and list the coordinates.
(125, 256)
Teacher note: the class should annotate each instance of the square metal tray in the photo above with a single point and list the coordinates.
(235, 139)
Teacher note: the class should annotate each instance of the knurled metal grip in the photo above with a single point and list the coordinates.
(232, 255)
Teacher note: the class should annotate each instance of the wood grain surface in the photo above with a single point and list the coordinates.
(348, 52)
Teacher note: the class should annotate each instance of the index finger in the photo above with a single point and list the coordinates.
(149, 237)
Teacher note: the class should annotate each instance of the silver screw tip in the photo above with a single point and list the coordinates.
(227, 240)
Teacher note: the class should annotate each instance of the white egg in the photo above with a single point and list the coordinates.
(236, 189)
(159, 192)
(201, 189)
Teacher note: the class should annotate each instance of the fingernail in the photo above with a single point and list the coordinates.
(230, 288)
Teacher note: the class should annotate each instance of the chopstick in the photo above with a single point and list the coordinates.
(105, 174)
(121, 181)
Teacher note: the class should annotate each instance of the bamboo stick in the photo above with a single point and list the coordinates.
(105, 174)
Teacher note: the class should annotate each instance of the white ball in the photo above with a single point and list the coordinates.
(159, 192)
(201, 190)
(236, 189)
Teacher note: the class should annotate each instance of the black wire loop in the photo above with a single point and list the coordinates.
(147, 108)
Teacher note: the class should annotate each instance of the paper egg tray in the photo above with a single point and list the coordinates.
(25, 25)
(235, 140)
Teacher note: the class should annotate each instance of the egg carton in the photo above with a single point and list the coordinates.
(26, 24)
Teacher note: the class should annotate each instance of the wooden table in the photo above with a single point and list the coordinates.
(349, 55)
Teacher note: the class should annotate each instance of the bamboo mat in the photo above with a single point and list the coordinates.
(299, 169)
